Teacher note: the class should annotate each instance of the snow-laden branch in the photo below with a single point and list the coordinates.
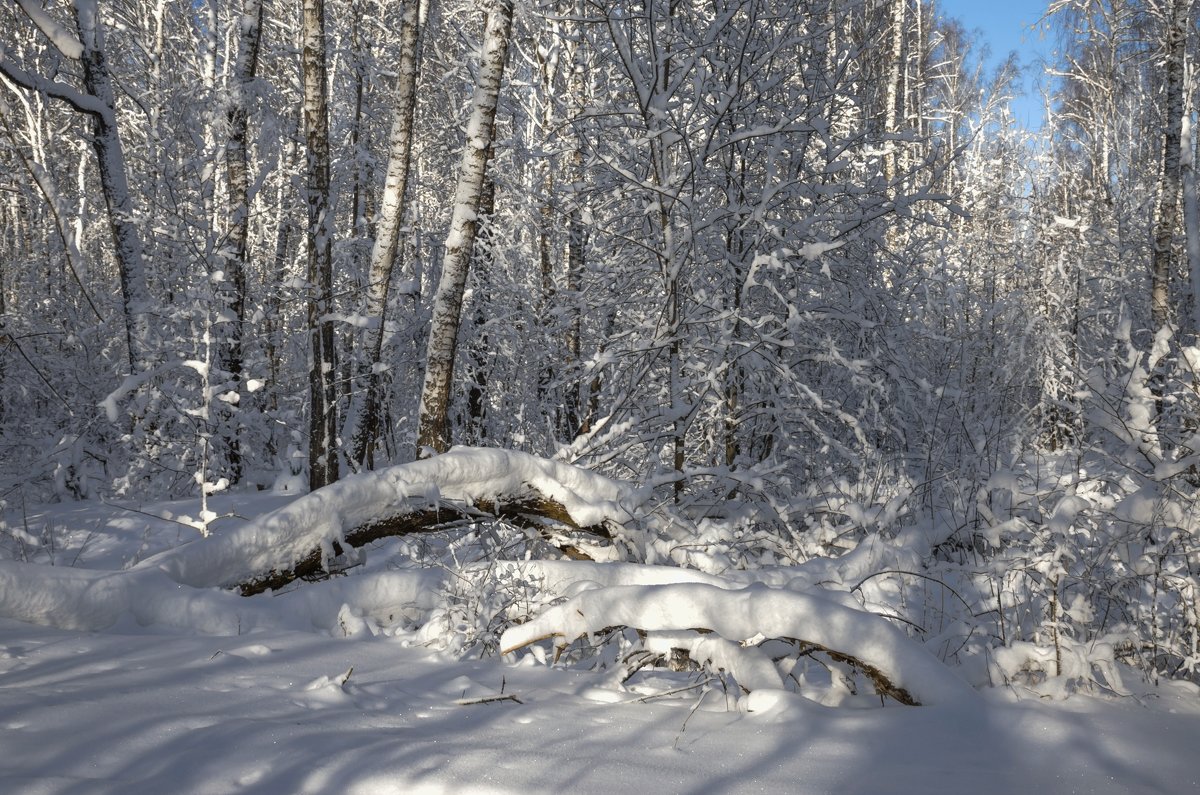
(899, 667)
(63, 39)
(84, 103)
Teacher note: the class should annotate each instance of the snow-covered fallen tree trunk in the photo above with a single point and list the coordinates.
(93, 601)
(898, 667)
(533, 511)
(464, 484)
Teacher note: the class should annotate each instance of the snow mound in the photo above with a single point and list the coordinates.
(93, 601)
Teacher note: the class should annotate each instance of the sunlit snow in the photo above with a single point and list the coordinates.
(123, 670)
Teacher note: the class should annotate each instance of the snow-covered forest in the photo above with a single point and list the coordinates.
(706, 374)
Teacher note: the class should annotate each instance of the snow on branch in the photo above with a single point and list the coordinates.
(898, 667)
(62, 38)
(84, 103)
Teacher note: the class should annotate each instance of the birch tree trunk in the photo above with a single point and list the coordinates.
(322, 451)
(1167, 217)
(362, 422)
(114, 182)
(895, 75)
(576, 98)
(98, 101)
(1191, 223)
(542, 126)
(433, 431)
(576, 264)
(231, 358)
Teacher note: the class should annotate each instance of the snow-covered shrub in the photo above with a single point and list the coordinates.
(1086, 569)
(481, 597)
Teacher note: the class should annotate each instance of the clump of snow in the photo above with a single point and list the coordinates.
(558, 576)
(815, 250)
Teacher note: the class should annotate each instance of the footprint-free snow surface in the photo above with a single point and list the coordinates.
(348, 704)
(275, 713)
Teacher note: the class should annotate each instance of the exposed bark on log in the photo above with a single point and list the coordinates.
(531, 511)
(883, 684)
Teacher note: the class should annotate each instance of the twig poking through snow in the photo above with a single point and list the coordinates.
(466, 702)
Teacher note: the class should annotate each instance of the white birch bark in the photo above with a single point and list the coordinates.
(98, 100)
(434, 426)
(362, 420)
(576, 250)
(1167, 221)
(231, 357)
(115, 184)
(894, 78)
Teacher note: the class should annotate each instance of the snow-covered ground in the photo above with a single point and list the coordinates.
(310, 691)
(268, 713)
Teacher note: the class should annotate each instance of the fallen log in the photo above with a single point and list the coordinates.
(898, 666)
(461, 487)
(534, 512)
(884, 686)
